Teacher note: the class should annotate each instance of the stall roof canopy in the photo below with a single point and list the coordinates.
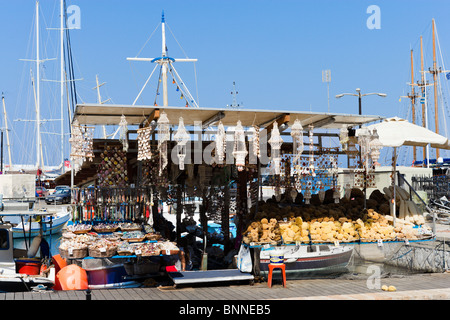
(108, 114)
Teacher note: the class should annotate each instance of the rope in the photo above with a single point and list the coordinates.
(402, 254)
(177, 41)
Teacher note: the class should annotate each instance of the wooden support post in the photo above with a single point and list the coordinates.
(241, 210)
(204, 223)
(179, 210)
(226, 217)
(154, 115)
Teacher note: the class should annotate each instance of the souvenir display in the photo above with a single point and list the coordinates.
(123, 131)
(133, 236)
(297, 140)
(88, 143)
(181, 137)
(112, 170)
(144, 147)
(125, 249)
(221, 143)
(129, 226)
(79, 228)
(343, 137)
(375, 147)
(103, 248)
(73, 249)
(333, 224)
(275, 142)
(255, 142)
(109, 236)
(168, 248)
(163, 138)
(105, 227)
(240, 149)
(146, 249)
(312, 171)
(81, 141)
(295, 198)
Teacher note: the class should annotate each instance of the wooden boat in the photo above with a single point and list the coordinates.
(19, 274)
(53, 224)
(26, 223)
(301, 259)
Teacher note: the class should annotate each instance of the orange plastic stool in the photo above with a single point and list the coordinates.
(283, 272)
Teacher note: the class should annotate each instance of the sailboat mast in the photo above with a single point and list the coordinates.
(435, 72)
(62, 81)
(424, 116)
(7, 133)
(413, 102)
(164, 62)
(38, 94)
(99, 101)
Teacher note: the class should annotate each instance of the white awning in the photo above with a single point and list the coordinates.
(104, 114)
(396, 132)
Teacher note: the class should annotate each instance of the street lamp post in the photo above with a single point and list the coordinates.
(359, 95)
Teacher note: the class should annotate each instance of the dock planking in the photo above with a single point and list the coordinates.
(259, 291)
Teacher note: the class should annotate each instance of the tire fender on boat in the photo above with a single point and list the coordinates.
(34, 247)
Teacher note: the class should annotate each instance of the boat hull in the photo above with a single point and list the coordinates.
(57, 224)
(21, 283)
(333, 261)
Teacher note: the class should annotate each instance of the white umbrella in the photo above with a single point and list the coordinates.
(396, 132)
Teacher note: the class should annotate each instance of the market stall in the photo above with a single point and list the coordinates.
(205, 166)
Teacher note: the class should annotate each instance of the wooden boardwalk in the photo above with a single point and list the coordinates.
(423, 286)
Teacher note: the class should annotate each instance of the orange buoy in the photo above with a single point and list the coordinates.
(71, 277)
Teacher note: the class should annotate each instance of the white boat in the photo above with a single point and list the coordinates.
(19, 274)
(26, 221)
(301, 259)
(51, 224)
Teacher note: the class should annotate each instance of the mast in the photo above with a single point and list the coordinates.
(413, 97)
(7, 133)
(164, 62)
(99, 101)
(422, 85)
(62, 81)
(38, 94)
(435, 71)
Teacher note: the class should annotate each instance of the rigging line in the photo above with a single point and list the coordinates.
(440, 83)
(133, 74)
(70, 61)
(22, 80)
(148, 40)
(442, 106)
(48, 41)
(159, 82)
(196, 84)
(71, 72)
(185, 94)
(177, 41)
(145, 85)
(184, 86)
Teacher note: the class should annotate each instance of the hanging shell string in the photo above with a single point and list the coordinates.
(240, 149)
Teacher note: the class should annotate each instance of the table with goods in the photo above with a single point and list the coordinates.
(137, 247)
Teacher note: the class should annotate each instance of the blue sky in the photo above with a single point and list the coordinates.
(275, 51)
